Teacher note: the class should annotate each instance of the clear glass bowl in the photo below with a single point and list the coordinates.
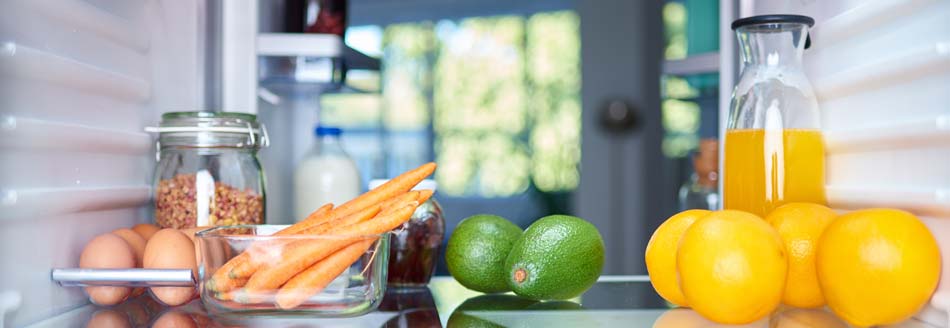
(356, 291)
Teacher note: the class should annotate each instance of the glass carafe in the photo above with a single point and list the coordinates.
(774, 152)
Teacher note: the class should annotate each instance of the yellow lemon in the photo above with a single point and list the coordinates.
(877, 266)
(661, 254)
(686, 318)
(732, 267)
(680, 318)
(806, 318)
(800, 225)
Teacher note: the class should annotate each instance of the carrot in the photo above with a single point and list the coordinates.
(242, 296)
(360, 216)
(314, 217)
(424, 195)
(231, 294)
(392, 188)
(223, 280)
(226, 296)
(398, 200)
(220, 281)
(421, 197)
(408, 196)
(302, 254)
(315, 278)
(321, 215)
(259, 257)
(239, 266)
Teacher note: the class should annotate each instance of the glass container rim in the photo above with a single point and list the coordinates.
(215, 232)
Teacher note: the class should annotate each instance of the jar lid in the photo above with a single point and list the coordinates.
(776, 19)
(427, 184)
(211, 129)
(773, 19)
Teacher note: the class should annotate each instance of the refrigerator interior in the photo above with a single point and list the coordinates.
(80, 79)
(79, 82)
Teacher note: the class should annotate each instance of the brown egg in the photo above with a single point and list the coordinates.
(135, 241)
(107, 251)
(146, 230)
(201, 319)
(171, 249)
(138, 246)
(190, 232)
(108, 319)
(134, 308)
(174, 319)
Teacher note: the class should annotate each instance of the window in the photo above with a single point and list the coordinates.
(690, 84)
(495, 101)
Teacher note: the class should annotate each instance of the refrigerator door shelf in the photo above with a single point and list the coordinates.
(73, 277)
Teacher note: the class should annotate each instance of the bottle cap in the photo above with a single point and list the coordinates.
(321, 130)
(773, 19)
(776, 19)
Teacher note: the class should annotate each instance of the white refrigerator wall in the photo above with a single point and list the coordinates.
(881, 72)
(78, 82)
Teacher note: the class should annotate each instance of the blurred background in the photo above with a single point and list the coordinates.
(527, 111)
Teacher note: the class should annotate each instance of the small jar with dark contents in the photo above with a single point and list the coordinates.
(414, 247)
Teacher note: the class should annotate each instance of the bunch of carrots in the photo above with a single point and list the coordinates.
(299, 268)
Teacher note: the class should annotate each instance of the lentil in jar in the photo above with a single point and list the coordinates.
(177, 204)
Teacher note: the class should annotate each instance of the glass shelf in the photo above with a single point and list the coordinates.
(614, 301)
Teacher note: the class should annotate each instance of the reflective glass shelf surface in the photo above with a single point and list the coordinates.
(615, 301)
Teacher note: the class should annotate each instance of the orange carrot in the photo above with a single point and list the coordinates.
(424, 195)
(315, 278)
(223, 280)
(392, 188)
(314, 217)
(239, 266)
(230, 295)
(407, 196)
(362, 215)
(259, 257)
(321, 215)
(302, 254)
(243, 296)
(225, 296)
(398, 200)
(421, 197)
(220, 281)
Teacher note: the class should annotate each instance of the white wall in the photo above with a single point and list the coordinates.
(78, 82)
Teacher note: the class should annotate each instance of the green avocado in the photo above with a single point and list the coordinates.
(558, 257)
(477, 250)
(555, 306)
(496, 302)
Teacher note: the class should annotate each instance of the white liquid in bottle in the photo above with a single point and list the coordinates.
(326, 175)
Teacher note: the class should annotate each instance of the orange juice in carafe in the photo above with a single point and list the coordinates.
(774, 152)
(767, 168)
